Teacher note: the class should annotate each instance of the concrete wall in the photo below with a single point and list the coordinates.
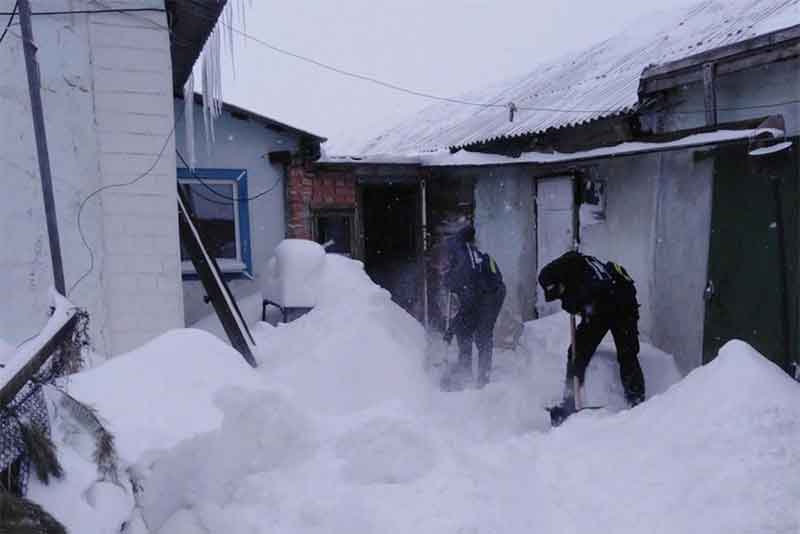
(627, 235)
(505, 224)
(108, 110)
(658, 211)
(242, 143)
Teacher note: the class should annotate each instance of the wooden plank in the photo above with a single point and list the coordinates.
(214, 284)
(15, 384)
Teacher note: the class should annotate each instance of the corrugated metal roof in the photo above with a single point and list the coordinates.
(601, 81)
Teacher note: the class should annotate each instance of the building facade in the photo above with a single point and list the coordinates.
(108, 81)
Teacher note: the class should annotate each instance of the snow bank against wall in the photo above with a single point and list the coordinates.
(164, 391)
(151, 399)
(717, 453)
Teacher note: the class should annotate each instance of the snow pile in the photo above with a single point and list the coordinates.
(151, 399)
(547, 341)
(163, 392)
(341, 430)
(250, 306)
(354, 350)
(291, 277)
(261, 432)
(717, 453)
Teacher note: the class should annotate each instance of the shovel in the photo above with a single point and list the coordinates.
(575, 404)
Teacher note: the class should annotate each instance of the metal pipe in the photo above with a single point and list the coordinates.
(576, 245)
(37, 114)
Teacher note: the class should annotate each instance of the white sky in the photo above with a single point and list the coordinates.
(443, 47)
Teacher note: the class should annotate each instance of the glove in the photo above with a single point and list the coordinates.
(448, 336)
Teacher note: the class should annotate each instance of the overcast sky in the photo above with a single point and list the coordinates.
(442, 47)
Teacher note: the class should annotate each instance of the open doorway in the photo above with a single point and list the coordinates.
(391, 225)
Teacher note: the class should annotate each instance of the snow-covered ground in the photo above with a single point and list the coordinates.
(341, 429)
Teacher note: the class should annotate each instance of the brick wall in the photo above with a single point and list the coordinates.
(309, 188)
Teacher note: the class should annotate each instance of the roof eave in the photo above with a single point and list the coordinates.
(191, 23)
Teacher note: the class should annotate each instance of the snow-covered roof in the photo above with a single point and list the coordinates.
(601, 81)
(444, 158)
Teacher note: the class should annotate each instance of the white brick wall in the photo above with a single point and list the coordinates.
(134, 116)
(107, 94)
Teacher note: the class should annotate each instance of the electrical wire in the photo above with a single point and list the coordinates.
(10, 20)
(93, 11)
(451, 100)
(197, 177)
(111, 186)
(415, 92)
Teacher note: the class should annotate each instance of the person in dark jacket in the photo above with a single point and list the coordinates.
(477, 282)
(604, 295)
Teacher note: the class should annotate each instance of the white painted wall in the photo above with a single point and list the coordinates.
(242, 144)
(107, 92)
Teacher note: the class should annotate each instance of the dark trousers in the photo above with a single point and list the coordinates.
(624, 329)
(475, 323)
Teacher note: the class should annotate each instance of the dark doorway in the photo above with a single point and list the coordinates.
(744, 295)
(391, 223)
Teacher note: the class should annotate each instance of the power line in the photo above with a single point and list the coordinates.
(10, 20)
(217, 193)
(415, 92)
(93, 11)
(452, 100)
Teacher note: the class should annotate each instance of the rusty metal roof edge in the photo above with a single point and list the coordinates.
(626, 110)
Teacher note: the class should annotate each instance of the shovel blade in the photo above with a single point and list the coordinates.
(559, 413)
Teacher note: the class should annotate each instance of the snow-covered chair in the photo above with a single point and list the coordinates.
(292, 276)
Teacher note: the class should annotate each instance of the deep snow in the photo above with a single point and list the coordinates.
(341, 430)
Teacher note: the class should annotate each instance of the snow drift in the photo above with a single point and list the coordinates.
(341, 430)
(354, 350)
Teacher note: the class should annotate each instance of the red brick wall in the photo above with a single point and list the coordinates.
(298, 199)
(309, 188)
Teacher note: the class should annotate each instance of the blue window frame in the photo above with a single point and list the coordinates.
(217, 197)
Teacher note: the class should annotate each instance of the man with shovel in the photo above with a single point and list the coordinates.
(477, 282)
(604, 296)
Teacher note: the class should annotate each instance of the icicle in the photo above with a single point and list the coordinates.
(229, 30)
(188, 119)
(211, 66)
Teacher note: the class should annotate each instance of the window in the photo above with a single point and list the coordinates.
(223, 220)
(335, 228)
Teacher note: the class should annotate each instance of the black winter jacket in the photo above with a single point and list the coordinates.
(590, 286)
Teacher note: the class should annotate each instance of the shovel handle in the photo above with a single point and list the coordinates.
(576, 385)
(447, 315)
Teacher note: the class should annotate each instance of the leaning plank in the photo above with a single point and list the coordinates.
(214, 283)
(24, 368)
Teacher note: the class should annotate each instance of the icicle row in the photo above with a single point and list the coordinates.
(188, 119)
(211, 67)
